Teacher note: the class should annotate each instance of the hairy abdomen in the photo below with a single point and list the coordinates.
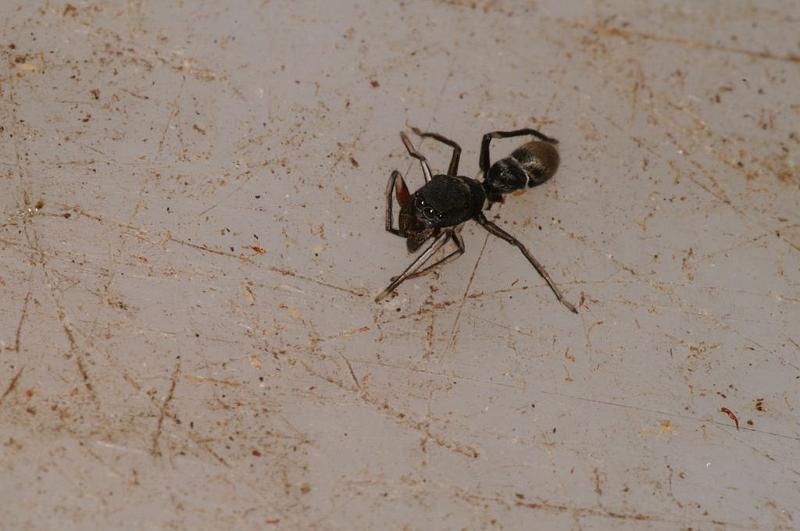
(539, 160)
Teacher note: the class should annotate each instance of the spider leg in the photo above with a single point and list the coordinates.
(453, 168)
(416, 264)
(426, 170)
(500, 233)
(485, 163)
(459, 241)
(397, 185)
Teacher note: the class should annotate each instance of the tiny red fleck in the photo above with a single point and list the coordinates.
(375, 83)
(733, 417)
(258, 249)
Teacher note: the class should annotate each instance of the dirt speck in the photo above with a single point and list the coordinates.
(257, 249)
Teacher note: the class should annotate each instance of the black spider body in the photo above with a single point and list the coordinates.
(439, 208)
(447, 201)
(444, 201)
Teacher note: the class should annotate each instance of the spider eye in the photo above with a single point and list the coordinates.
(419, 201)
(429, 212)
(440, 215)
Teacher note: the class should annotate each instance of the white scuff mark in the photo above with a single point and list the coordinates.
(118, 447)
(287, 287)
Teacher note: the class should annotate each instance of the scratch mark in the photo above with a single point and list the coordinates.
(75, 349)
(502, 326)
(429, 334)
(454, 330)
(578, 512)
(352, 372)
(287, 272)
(156, 448)
(12, 385)
(209, 250)
(274, 269)
(631, 34)
(85, 376)
(196, 438)
(228, 196)
(208, 379)
(666, 413)
(348, 333)
(584, 511)
(597, 482)
(22, 317)
(446, 375)
(171, 117)
(381, 405)
(136, 385)
(249, 175)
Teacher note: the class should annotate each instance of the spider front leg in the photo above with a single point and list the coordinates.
(500, 233)
(453, 168)
(485, 162)
(426, 170)
(396, 185)
(416, 264)
(456, 239)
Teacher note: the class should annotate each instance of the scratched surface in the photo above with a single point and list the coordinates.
(191, 237)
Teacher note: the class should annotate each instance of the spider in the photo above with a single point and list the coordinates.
(444, 203)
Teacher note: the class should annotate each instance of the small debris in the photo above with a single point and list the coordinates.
(733, 417)
(258, 249)
(375, 83)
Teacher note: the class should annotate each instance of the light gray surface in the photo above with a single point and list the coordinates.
(158, 371)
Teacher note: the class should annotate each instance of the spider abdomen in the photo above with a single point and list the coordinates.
(529, 165)
(539, 160)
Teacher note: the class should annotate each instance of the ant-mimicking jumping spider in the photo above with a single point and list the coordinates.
(441, 206)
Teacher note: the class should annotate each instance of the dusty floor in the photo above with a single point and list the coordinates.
(192, 237)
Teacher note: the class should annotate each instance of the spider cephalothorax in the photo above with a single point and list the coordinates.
(443, 202)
